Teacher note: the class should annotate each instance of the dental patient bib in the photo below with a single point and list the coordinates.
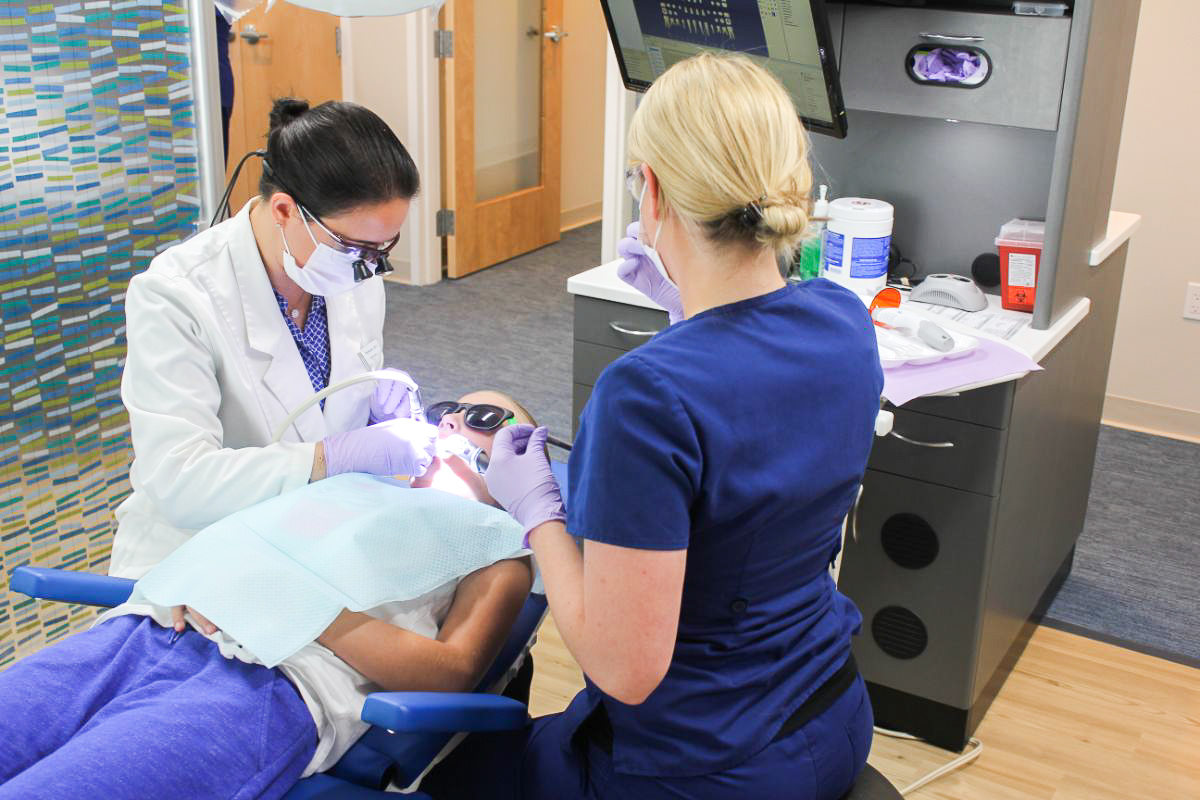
(275, 575)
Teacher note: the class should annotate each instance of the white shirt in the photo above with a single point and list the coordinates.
(212, 372)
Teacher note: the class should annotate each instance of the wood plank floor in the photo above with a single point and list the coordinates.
(1077, 720)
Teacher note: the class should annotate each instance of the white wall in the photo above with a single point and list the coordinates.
(388, 66)
(1154, 378)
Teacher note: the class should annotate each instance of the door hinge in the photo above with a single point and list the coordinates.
(443, 44)
(337, 41)
(445, 222)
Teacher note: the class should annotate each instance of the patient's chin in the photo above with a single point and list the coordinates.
(456, 479)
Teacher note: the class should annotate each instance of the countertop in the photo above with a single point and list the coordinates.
(602, 283)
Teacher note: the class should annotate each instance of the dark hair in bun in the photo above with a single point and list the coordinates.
(285, 110)
(335, 157)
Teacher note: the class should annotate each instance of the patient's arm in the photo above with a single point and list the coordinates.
(485, 606)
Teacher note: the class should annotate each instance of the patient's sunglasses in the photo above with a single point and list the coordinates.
(477, 416)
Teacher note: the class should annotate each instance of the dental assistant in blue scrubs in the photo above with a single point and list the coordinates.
(709, 479)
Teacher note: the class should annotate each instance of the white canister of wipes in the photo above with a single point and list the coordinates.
(857, 239)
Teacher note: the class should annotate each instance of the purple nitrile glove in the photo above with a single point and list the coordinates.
(396, 397)
(947, 66)
(392, 447)
(519, 477)
(639, 272)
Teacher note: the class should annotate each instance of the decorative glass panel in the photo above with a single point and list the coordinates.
(98, 173)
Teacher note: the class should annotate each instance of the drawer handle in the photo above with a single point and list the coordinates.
(630, 332)
(907, 440)
(854, 516)
(946, 37)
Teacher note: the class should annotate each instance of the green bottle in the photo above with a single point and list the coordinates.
(810, 251)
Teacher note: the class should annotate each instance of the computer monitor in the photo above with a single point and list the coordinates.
(789, 37)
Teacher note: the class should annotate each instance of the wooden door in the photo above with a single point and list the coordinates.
(501, 91)
(285, 52)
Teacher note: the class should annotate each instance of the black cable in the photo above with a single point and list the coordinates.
(223, 207)
(899, 267)
(558, 443)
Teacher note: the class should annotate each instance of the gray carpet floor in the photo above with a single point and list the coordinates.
(1136, 579)
(1137, 564)
(507, 328)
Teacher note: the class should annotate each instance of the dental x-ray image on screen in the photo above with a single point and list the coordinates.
(718, 24)
(789, 37)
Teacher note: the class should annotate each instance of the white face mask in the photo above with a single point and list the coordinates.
(651, 253)
(326, 273)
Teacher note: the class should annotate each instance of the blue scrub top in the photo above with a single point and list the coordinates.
(742, 435)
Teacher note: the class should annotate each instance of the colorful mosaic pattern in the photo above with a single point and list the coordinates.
(98, 173)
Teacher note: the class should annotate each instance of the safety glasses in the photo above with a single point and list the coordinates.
(477, 416)
(371, 253)
(635, 181)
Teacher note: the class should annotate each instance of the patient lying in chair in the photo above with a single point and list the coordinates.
(132, 708)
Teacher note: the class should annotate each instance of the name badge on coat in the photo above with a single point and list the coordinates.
(371, 355)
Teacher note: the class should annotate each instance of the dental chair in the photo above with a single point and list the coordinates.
(408, 729)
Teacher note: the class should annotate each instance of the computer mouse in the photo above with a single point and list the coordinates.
(956, 291)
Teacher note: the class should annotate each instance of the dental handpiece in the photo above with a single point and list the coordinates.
(458, 445)
(554, 440)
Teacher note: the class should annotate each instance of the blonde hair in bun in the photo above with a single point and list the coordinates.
(731, 157)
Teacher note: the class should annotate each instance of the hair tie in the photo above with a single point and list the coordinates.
(752, 212)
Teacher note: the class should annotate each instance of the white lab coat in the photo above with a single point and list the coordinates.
(212, 372)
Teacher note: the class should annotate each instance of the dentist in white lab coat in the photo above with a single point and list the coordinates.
(232, 330)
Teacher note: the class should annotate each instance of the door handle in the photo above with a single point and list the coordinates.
(555, 35)
(252, 36)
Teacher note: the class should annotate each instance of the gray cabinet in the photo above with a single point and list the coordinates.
(918, 563)
(1027, 57)
(605, 330)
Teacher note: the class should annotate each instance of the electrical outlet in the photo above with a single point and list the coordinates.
(1191, 306)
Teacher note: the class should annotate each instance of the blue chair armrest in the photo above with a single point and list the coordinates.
(443, 712)
(69, 586)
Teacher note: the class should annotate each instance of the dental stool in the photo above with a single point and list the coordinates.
(871, 785)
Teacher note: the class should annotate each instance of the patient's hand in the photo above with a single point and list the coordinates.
(201, 622)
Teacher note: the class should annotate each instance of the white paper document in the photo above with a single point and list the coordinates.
(998, 322)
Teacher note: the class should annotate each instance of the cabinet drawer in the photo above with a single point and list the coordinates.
(615, 324)
(990, 406)
(921, 550)
(589, 360)
(971, 462)
(1023, 88)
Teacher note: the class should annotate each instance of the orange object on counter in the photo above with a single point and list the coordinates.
(887, 298)
(1020, 244)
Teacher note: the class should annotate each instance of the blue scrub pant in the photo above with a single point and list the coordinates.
(121, 712)
(820, 761)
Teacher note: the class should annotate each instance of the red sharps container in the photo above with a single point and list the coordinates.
(1020, 245)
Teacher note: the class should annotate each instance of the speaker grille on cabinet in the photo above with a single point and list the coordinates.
(909, 541)
(899, 632)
